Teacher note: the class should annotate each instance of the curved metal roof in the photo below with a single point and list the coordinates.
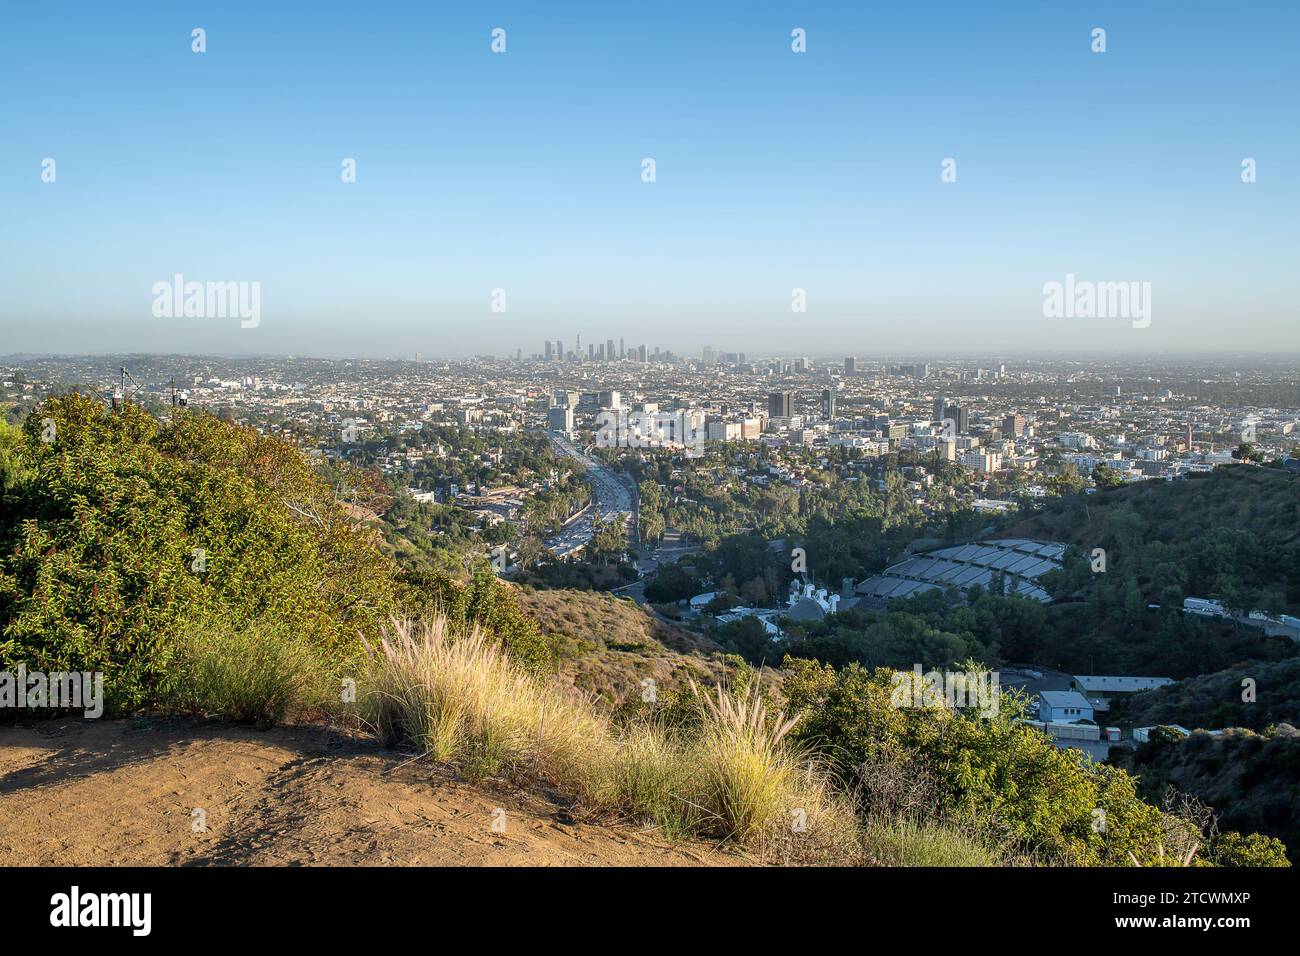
(1022, 561)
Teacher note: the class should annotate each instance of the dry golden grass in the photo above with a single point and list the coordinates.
(459, 699)
(746, 771)
(767, 794)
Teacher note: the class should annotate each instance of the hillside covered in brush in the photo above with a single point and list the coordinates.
(610, 646)
(124, 537)
(1251, 779)
(211, 571)
(1232, 535)
(1252, 694)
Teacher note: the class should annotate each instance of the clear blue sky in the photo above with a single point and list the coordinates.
(523, 171)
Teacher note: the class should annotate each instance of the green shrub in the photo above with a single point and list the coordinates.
(1233, 849)
(1002, 777)
(484, 601)
(132, 531)
(126, 531)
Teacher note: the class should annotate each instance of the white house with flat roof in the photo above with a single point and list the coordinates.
(1063, 707)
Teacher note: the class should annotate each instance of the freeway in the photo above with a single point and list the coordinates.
(609, 496)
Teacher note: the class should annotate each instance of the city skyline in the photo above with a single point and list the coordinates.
(831, 356)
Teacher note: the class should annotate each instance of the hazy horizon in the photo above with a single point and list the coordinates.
(1170, 357)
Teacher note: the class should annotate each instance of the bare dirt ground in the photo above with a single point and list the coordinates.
(119, 792)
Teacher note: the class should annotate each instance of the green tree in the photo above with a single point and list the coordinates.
(1066, 481)
(1103, 476)
(748, 638)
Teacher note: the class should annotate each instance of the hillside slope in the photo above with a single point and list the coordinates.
(119, 793)
(1262, 501)
(1213, 701)
(1249, 778)
(1232, 535)
(608, 646)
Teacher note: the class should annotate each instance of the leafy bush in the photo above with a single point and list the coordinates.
(125, 531)
(996, 774)
(483, 601)
(1233, 849)
(131, 531)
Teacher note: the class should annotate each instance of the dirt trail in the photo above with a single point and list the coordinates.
(123, 793)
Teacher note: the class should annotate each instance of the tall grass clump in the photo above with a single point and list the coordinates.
(906, 841)
(650, 778)
(457, 697)
(747, 775)
(763, 791)
(255, 674)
